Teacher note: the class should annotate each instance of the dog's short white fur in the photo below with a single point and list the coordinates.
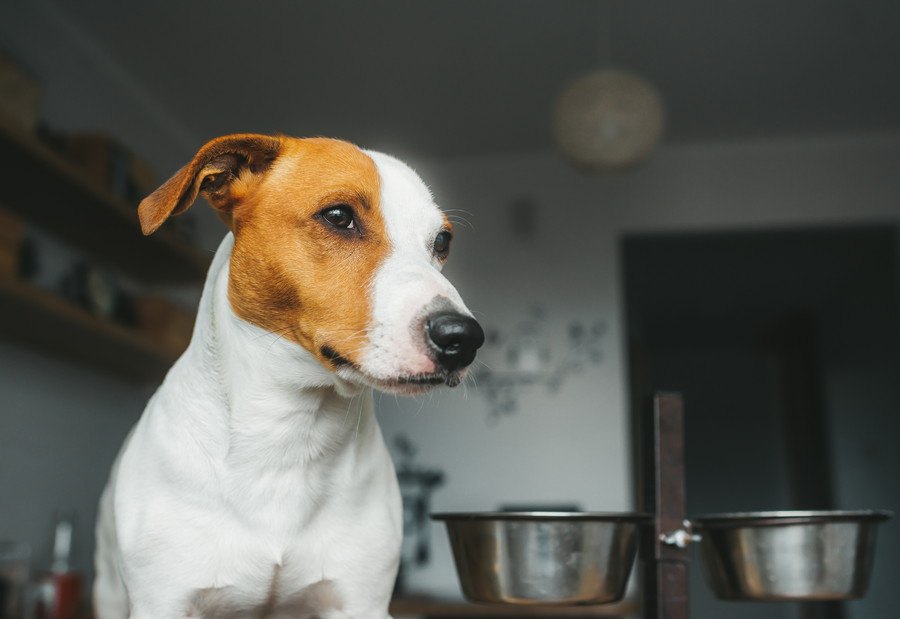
(257, 482)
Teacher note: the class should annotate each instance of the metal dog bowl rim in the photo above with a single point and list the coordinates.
(788, 517)
(628, 517)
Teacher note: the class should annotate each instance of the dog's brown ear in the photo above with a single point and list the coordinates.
(211, 172)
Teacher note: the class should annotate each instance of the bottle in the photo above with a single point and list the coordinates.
(15, 560)
(58, 592)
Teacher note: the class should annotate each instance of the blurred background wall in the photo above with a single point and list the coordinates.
(802, 155)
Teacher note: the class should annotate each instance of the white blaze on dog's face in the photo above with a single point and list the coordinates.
(337, 249)
(408, 289)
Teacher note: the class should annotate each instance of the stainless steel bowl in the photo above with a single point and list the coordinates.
(543, 557)
(789, 556)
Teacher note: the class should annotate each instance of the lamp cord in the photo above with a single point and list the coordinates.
(604, 41)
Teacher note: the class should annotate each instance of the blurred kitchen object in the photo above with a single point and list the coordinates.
(109, 164)
(164, 322)
(96, 290)
(12, 234)
(14, 564)
(57, 594)
(416, 487)
(20, 95)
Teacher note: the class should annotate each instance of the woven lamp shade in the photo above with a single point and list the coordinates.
(608, 120)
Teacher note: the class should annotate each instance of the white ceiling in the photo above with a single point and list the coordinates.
(452, 78)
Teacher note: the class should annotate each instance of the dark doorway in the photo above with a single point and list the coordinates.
(762, 331)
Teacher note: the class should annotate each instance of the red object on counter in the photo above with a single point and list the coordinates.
(59, 596)
(58, 592)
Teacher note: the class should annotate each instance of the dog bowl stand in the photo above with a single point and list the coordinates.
(666, 552)
(667, 536)
(667, 542)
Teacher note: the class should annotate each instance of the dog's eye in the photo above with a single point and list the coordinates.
(340, 216)
(442, 243)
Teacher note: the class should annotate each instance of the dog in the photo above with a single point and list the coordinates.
(257, 483)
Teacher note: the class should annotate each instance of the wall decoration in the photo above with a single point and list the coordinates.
(526, 356)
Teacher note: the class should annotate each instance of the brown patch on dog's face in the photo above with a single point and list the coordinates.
(292, 271)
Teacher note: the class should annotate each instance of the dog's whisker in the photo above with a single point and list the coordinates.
(274, 331)
(461, 222)
(342, 329)
(454, 217)
(464, 224)
(484, 363)
(472, 376)
(272, 343)
(347, 414)
(358, 421)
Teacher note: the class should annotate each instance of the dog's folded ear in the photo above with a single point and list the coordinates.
(212, 172)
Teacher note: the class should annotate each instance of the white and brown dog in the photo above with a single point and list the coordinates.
(257, 483)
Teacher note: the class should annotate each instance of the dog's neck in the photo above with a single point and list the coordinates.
(282, 408)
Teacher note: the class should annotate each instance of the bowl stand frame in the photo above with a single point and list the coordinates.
(666, 548)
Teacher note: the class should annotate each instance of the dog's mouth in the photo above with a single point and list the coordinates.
(404, 384)
(401, 384)
(421, 379)
(451, 379)
(412, 384)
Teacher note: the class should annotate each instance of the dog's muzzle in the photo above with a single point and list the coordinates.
(453, 339)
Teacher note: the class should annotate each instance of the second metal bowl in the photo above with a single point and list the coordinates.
(543, 557)
(789, 556)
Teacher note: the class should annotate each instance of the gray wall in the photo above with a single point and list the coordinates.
(60, 428)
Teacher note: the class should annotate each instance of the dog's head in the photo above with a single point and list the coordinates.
(337, 249)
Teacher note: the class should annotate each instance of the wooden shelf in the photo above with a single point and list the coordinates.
(431, 607)
(47, 190)
(40, 319)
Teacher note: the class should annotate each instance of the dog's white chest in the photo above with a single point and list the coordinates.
(315, 573)
(275, 532)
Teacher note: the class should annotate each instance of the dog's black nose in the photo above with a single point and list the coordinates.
(454, 339)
